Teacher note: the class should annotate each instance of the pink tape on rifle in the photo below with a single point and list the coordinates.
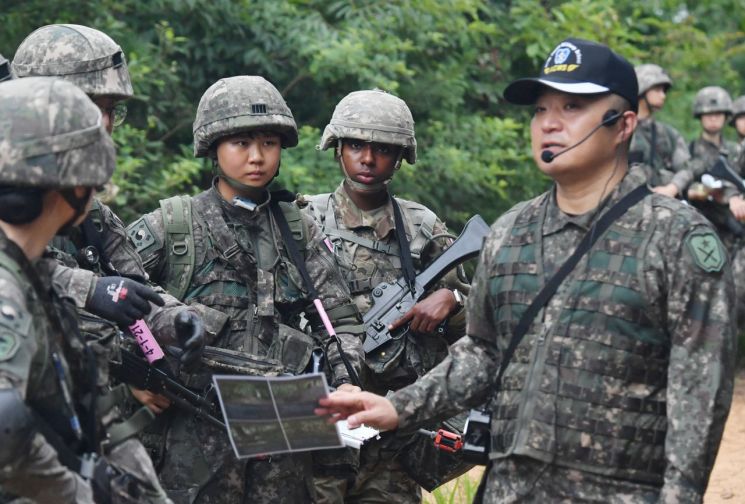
(324, 317)
(147, 342)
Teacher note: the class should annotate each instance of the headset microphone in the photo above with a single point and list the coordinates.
(610, 118)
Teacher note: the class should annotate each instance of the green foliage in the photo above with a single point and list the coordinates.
(458, 491)
(449, 59)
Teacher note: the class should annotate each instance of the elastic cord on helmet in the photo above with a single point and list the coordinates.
(370, 188)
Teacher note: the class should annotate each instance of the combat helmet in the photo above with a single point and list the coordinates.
(372, 116)
(5, 72)
(241, 103)
(650, 75)
(712, 99)
(52, 136)
(86, 57)
(738, 108)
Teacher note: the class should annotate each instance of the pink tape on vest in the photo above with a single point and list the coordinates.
(146, 340)
(329, 245)
(324, 317)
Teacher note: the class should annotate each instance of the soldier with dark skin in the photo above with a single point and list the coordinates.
(655, 144)
(232, 257)
(54, 151)
(619, 389)
(371, 133)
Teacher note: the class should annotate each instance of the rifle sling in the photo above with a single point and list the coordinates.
(550, 288)
(407, 264)
(297, 260)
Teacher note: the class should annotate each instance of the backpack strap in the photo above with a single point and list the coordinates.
(176, 213)
(296, 224)
(423, 232)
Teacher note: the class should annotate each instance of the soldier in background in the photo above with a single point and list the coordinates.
(224, 248)
(656, 144)
(738, 120)
(371, 132)
(54, 151)
(620, 387)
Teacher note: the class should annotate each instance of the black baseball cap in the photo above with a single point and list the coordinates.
(578, 66)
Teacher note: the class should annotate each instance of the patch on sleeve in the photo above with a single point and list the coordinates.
(706, 249)
(140, 234)
(8, 345)
(14, 318)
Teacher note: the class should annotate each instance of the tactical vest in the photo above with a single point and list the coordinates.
(588, 390)
(419, 221)
(261, 338)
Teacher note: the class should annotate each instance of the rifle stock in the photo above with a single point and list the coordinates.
(392, 300)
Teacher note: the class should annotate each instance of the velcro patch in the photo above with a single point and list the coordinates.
(140, 234)
(706, 249)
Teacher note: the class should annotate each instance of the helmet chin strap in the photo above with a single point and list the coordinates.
(78, 205)
(359, 186)
(257, 194)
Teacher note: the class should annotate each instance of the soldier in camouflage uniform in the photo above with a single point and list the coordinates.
(53, 152)
(621, 386)
(738, 120)
(655, 144)
(223, 248)
(371, 132)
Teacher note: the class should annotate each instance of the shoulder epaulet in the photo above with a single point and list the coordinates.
(176, 213)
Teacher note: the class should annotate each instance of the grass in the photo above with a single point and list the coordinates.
(461, 490)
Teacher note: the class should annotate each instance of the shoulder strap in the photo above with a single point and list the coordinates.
(653, 147)
(407, 263)
(423, 233)
(548, 290)
(690, 147)
(176, 213)
(296, 225)
(297, 260)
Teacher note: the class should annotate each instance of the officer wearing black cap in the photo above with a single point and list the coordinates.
(599, 326)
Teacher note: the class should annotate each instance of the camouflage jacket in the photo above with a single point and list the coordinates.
(27, 342)
(375, 259)
(77, 281)
(661, 147)
(265, 295)
(632, 330)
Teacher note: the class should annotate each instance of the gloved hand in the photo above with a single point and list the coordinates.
(103, 473)
(190, 334)
(121, 300)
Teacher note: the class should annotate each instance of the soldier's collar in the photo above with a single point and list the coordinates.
(351, 216)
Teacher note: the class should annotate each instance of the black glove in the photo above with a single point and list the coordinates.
(190, 334)
(121, 300)
(101, 481)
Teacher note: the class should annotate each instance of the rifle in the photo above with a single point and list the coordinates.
(724, 171)
(391, 300)
(135, 371)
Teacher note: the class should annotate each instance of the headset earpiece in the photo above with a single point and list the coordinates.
(611, 117)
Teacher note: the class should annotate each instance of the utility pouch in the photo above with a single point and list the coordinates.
(222, 360)
(431, 466)
(292, 348)
(477, 437)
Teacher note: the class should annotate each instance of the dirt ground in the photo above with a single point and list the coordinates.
(727, 482)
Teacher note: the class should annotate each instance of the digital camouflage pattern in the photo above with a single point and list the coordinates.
(650, 75)
(628, 336)
(242, 269)
(664, 153)
(58, 146)
(241, 103)
(738, 108)
(712, 99)
(372, 116)
(380, 475)
(84, 56)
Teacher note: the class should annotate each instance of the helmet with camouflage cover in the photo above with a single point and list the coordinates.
(52, 136)
(5, 73)
(86, 57)
(241, 103)
(650, 75)
(738, 108)
(712, 99)
(372, 116)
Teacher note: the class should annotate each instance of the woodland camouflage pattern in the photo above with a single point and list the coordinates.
(372, 116)
(685, 325)
(199, 464)
(238, 104)
(86, 57)
(44, 144)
